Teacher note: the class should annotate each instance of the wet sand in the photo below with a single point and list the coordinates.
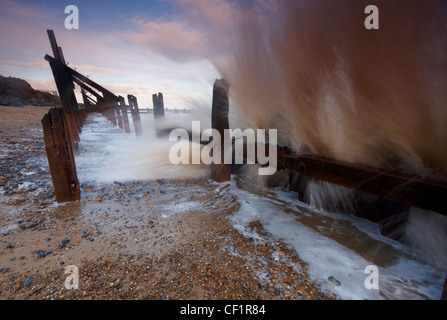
(157, 239)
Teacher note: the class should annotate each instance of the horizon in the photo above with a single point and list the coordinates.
(132, 47)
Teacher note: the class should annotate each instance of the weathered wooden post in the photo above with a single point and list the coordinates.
(117, 112)
(219, 121)
(64, 83)
(60, 156)
(159, 111)
(133, 103)
(159, 108)
(123, 108)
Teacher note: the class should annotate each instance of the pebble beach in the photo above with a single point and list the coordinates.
(153, 239)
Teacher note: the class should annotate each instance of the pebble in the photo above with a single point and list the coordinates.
(334, 281)
(42, 253)
(27, 281)
(215, 273)
(115, 283)
(63, 243)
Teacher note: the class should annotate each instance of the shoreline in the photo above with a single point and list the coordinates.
(155, 239)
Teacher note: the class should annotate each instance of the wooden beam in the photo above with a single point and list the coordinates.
(64, 85)
(83, 78)
(54, 46)
(405, 189)
(133, 103)
(61, 55)
(90, 90)
(60, 156)
(123, 109)
(90, 82)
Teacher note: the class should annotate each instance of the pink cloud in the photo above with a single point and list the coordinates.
(171, 39)
(23, 27)
(201, 30)
(160, 56)
(214, 14)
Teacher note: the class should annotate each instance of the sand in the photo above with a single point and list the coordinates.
(155, 239)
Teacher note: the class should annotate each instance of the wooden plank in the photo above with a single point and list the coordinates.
(90, 82)
(99, 98)
(405, 189)
(88, 102)
(81, 78)
(61, 55)
(60, 156)
(54, 46)
(64, 83)
(66, 95)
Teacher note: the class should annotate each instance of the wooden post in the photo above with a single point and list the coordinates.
(135, 114)
(159, 108)
(60, 156)
(123, 108)
(159, 111)
(219, 121)
(117, 111)
(64, 83)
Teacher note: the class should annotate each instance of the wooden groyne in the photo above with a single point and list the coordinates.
(62, 126)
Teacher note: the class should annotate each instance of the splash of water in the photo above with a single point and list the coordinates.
(331, 87)
(311, 70)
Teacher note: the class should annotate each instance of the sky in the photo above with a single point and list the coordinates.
(129, 47)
